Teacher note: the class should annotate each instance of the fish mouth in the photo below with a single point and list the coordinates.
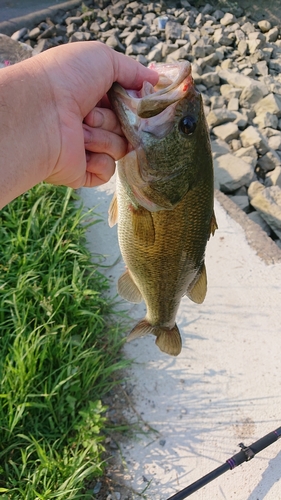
(139, 109)
(174, 83)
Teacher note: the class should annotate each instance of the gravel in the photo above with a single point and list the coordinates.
(236, 66)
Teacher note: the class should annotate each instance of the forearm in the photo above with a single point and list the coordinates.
(29, 130)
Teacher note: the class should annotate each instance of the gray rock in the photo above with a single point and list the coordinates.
(241, 119)
(48, 33)
(242, 201)
(242, 47)
(233, 104)
(236, 144)
(34, 33)
(218, 14)
(117, 9)
(267, 202)
(273, 178)
(219, 147)
(261, 68)
(139, 48)
(19, 34)
(142, 59)
(250, 95)
(173, 30)
(269, 161)
(219, 116)
(74, 20)
(227, 19)
(226, 132)
(207, 9)
(210, 60)
(248, 28)
(222, 38)
(237, 80)
(80, 36)
(275, 64)
(254, 45)
(232, 172)
(275, 87)
(217, 102)
(264, 26)
(144, 31)
(181, 53)
(271, 103)
(198, 51)
(168, 48)
(240, 35)
(272, 35)
(210, 79)
(228, 91)
(249, 152)
(274, 142)
(156, 53)
(255, 188)
(132, 38)
(263, 120)
(71, 28)
(41, 46)
(114, 42)
(252, 137)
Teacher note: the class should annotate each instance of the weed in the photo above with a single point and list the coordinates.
(58, 348)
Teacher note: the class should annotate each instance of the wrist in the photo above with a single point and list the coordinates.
(29, 131)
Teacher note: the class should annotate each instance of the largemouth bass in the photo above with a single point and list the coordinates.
(164, 199)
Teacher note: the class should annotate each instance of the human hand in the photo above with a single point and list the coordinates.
(79, 75)
(104, 144)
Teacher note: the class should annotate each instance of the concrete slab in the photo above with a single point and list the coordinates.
(222, 389)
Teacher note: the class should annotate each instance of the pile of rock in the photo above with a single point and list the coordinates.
(236, 65)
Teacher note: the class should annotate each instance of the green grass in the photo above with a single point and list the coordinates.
(58, 349)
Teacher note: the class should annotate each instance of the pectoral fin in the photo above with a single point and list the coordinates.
(113, 212)
(143, 226)
(198, 288)
(128, 289)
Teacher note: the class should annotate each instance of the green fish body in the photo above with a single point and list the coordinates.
(164, 200)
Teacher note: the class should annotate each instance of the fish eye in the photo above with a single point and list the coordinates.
(187, 125)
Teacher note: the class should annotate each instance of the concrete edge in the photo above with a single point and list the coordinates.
(30, 20)
(265, 247)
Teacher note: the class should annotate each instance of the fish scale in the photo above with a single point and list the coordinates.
(164, 205)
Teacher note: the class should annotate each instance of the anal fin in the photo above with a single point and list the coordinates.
(168, 339)
(198, 288)
(128, 289)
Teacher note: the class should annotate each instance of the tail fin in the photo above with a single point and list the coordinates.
(168, 340)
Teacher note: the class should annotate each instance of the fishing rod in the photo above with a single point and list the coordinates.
(246, 454)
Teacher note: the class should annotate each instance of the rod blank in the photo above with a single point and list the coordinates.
(246, 454)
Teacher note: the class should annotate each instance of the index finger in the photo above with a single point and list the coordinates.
(130, 73)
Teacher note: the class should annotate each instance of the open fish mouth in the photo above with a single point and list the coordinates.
(152, 109)
(175, 81)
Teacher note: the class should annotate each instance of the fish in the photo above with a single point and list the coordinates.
(164, 199)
